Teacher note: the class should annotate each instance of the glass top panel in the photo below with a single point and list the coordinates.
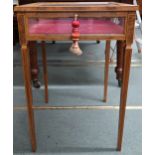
(79, 3)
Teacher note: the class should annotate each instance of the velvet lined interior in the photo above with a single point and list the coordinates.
(64, 26)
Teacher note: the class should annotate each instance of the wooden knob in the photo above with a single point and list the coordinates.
(75, 36)
(75, 16)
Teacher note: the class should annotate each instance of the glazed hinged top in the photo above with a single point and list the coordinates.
(75, 6)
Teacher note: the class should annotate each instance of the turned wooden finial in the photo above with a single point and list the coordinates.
(75, 36)
(75, 16)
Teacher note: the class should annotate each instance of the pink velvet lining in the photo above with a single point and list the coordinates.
(64, 26)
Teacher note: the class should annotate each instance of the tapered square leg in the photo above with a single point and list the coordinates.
(45, 72)
(124, 89)
(28, 91)
(27, 78)
(125, 78)
(106, 71)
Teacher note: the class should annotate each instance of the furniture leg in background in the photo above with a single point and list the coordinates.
(45, 73)
(106, 71)
(119, 65)
(34, 64)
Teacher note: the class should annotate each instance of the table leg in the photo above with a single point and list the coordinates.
(28, 91)
(34, 64)
(127, 53)
(45, 72)
(106, 71)
(124, 89)
(27, 77)
(118, 69)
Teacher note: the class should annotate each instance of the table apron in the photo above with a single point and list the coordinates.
(61, 37)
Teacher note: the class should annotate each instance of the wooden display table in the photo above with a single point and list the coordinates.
(94, 21)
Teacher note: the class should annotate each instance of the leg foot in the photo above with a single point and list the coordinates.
(97, 41)
(36, 83)
(118, 149)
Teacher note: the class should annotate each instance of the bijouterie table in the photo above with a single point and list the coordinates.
(76, 22)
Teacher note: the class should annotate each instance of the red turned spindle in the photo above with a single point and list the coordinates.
(75, 37)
